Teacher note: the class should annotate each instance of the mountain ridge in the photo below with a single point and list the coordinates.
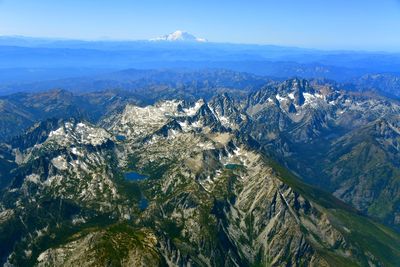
(151, 177)
(198, 172)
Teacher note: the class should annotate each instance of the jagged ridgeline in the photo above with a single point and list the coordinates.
(183, 183)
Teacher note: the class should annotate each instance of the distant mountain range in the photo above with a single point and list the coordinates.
(24, 60)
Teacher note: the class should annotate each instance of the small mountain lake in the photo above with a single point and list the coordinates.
(143, 204)
(121, 137)
(134, 176)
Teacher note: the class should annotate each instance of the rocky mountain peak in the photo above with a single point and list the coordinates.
(296, 88)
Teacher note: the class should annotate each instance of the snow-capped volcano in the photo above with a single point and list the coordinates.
(181, 36)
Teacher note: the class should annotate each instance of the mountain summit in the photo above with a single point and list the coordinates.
(181, 36)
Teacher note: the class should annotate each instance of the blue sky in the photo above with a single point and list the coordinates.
(327, 24)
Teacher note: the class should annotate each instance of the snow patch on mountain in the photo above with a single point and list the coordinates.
(180, 36)
(81, 133)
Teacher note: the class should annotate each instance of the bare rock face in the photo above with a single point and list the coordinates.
(344, 142)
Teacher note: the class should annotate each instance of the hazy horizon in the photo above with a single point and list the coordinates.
(108, 39)
(331, 25)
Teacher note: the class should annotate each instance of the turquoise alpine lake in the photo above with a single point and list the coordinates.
(121, 138)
